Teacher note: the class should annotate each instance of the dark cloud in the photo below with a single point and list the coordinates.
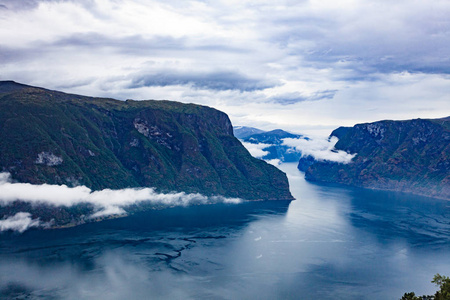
(128, 45)
(137, 44)
(103, 45)
(215, 80)
(295, 97)
(16, 5)
(31, 4)
(362, 65)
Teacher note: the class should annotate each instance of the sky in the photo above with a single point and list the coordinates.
(307, 66)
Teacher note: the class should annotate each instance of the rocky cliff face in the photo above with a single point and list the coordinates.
(409, 156)
(57, 138)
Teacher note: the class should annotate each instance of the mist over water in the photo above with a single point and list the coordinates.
(331, 243)
(106, 202)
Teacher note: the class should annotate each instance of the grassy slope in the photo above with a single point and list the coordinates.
(187, 148)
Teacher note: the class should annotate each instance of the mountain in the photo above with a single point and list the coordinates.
(242, 132)
(10, 86)
(305, 162)
(271, 137)
(275, 148)
(409, 156)
(57, 138)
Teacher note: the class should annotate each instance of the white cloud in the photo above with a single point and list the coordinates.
(256, 150)
(320, 149)
(20, 222)
(107, 202)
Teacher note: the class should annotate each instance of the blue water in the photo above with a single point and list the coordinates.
(331, 243)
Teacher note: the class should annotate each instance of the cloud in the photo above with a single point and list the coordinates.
(17, 5)
(20, 222)
(217, 80)
(32, 4)
(131, 44)
(256, 150)
(106, 202)
(285, 64)
(320, 149)
(368, 37)
(295, 97)
(139, 44)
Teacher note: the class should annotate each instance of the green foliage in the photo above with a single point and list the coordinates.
(410, 296)
(443, 282)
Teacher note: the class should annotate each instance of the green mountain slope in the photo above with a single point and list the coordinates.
(58, 138)
(409, 156)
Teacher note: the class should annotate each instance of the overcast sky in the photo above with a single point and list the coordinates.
(304, 66)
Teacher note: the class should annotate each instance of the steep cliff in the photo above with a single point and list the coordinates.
(57, 138)
(409, 156)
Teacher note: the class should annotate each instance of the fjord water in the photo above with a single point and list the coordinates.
(331, 243)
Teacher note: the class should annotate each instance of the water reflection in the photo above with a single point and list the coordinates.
(376, 244)
(332, 243)
(157, 253)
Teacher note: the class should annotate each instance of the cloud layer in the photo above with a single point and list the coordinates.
(320, 149)
(106, 202)
(298, 65)
(256, 150)
(19, 222)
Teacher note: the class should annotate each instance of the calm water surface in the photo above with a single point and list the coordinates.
(332, 243)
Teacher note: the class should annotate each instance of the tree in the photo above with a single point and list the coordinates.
(443, 282)
(410, 296)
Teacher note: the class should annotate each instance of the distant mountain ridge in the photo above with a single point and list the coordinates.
(242, 132)
(410, 156)
(273, 138)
